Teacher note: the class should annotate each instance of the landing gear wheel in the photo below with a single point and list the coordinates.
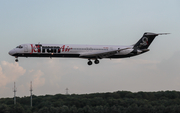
(16, 60)
(89, 63)
(96, 61)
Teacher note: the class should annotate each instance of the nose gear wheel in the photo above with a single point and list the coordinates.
(16, 60)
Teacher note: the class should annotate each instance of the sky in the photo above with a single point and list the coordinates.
(96, 22)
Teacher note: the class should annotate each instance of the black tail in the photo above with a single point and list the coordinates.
(145, 41)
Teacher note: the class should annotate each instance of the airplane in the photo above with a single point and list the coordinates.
(90, 52)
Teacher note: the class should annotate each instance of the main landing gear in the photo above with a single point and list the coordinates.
(96, 61)
(90, 62)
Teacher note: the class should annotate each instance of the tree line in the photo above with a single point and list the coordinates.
(115, 102)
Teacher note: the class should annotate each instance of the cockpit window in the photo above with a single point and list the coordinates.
(19, 46)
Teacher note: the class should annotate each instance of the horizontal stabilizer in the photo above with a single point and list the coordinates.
(163, 33)
(147, 33)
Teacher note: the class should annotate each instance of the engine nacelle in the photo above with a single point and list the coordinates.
(138, 51)
(127, 51)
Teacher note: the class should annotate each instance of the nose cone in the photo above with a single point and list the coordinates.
(12, 52)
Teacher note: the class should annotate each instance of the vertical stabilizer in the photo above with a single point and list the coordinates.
(145, 41)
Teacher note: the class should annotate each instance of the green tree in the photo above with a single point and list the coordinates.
(73, 109)
(18, 108)
(4, 108)
(44, 110)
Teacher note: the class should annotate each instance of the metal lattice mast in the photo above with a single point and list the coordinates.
(14, 90)
(31, 92)
(67, 91)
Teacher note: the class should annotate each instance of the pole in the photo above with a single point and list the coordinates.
(14, 90)
(31, 92)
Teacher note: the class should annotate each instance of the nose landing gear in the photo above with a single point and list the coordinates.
(16, 60)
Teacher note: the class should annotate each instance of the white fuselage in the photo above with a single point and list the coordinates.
(61, 50)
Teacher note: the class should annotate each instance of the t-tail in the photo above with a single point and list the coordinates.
(142, 45)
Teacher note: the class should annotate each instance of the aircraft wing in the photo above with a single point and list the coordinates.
(102, 54)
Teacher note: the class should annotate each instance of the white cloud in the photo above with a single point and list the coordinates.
(3, 79)
(76, 67)
(10, 72)
(38, 80)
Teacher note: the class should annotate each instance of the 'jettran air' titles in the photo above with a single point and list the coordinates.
(38, 48)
